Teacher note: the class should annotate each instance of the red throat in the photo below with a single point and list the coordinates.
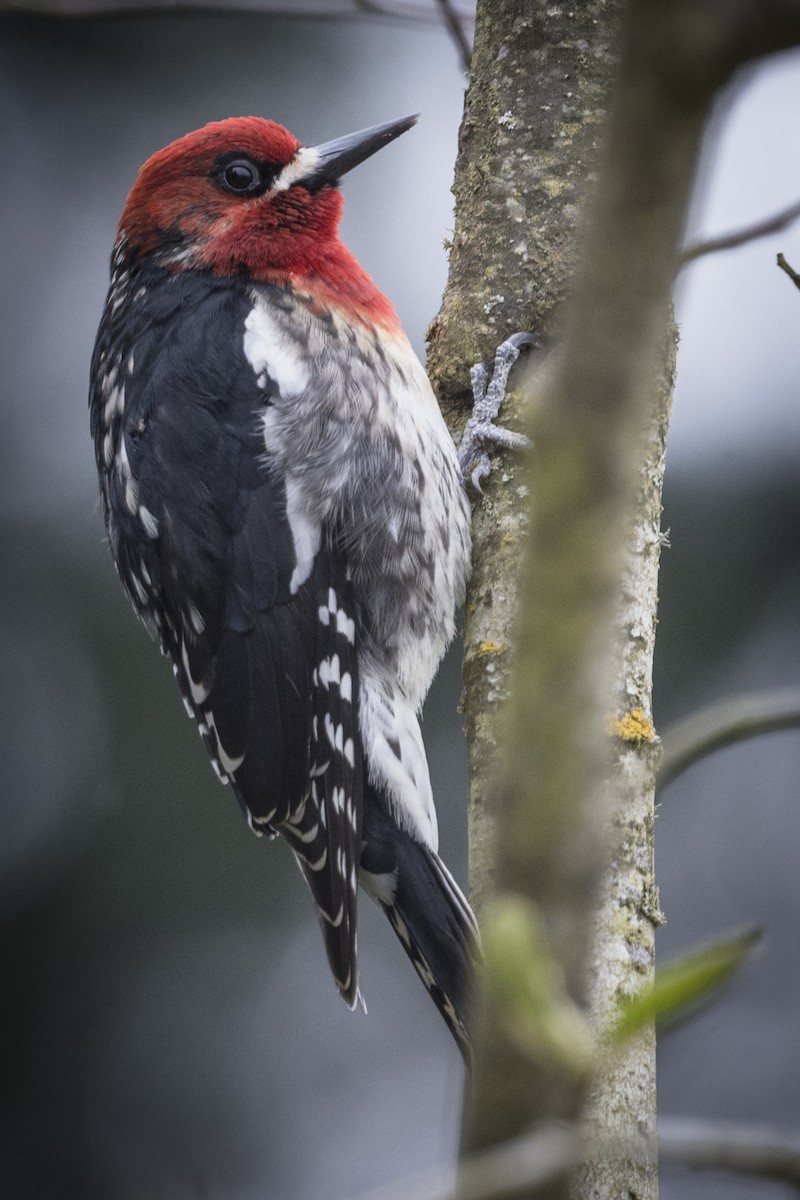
(289, 246)
(339, 281)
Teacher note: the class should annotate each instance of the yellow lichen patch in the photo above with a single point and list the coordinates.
(509, 539)
(633, 727)
(485, 648)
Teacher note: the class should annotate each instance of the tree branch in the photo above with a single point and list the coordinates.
(453, 22)
(699, 735)
(501, 1172)
(533, 112)
(727, 1146)
(542, 819)
(516, 1168)
(790, 271)
(740, 237)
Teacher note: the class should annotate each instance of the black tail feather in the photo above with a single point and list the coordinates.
(427, 911)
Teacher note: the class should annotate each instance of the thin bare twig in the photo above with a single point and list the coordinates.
(516, 1167)
(790, 271)
(687, 741)
(728, 1146)
(452, 20)
(729, 241)
(527, 1162)
(400, 10)
(410, 12)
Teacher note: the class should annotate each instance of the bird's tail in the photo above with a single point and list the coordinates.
(427, 911)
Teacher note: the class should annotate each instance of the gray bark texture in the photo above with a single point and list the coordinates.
(529, 147)
(527, 151)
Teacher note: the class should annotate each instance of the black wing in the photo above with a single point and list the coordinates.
(199, 531)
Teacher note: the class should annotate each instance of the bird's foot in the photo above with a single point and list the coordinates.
(489, 394)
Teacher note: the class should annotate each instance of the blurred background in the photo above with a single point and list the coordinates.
(169, 1026)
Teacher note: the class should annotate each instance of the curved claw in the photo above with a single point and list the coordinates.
(480, 470)
(523, 339)
(507, 354)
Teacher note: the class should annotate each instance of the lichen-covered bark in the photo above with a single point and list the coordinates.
(541, 80)
(527, 149)
(528, 146)
(622, 1101)
(569, 807)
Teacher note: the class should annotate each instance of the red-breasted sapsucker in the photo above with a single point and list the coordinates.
(285, 509)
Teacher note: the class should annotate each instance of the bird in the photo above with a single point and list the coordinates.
(285, 509)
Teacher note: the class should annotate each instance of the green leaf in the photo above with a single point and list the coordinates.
(526, 983)
(682, 984)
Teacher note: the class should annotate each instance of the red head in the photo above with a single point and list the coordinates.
(242, 197)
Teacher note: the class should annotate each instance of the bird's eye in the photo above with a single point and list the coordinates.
(241, 177)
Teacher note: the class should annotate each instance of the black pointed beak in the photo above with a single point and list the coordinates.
(336, 158)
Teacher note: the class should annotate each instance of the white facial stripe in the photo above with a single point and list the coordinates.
(305, 161)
